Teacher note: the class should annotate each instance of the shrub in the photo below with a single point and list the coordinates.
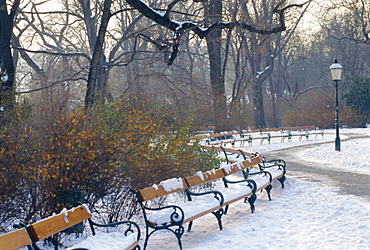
(103, 154)
(350, 118)
(321, 119)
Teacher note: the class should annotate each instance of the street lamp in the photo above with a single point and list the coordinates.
(336, 75)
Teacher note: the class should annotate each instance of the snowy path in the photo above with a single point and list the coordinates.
(345, 181)
(325, 204)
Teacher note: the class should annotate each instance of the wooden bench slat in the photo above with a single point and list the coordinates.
(57, 223)
(257, 159)
(240, 165)
(15, 239)
(233, 168)
(132, 246)
(207, 177)
(151, 192)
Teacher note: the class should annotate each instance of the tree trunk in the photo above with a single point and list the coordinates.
(259, 113)
(7, 68)
(96, 82)
(213, 12)
(274, 109)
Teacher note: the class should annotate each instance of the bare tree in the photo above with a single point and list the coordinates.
(102, 55)
(211, 29)
(7, 68)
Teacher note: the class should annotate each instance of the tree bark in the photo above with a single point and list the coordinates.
(96, 91)
(7, 69)
(213, 12)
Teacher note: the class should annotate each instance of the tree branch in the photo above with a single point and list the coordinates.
(49, 86)
(181, 27)
(55, 53)
(165, 20)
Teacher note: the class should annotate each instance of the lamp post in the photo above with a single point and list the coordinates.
(336, 75)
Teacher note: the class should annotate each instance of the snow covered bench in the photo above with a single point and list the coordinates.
(199, 203)
(172, 217)
(68, 218)
(304, 131)
(277, 167)
(128, 238)
(29, 235)
(234, 136)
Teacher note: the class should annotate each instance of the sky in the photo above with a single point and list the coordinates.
(303, 215)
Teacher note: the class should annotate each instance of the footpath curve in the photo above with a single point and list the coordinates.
(343, 181)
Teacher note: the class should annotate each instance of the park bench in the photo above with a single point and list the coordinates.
(29, 235)
(216, 200)
(303, 131)
(222, 138)
(232, 155)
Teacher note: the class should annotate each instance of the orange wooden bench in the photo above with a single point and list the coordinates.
(31, 234)
(216, 201)
(15, 239)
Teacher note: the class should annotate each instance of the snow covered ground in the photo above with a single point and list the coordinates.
(304, 215)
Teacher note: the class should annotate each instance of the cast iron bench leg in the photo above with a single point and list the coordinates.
(190, 225)
(282, 179)
(218, 215)
(251, 201)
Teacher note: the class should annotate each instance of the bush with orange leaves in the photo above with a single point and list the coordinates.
(104, 154)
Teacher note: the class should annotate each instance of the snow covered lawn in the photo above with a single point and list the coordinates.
(304, 215)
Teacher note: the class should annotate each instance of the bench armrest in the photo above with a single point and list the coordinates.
(278, 165)
(263, 172)
(217, 195)
(132, 227)
(176, 217)
(173, 218)
(274, 162)
(250, 183)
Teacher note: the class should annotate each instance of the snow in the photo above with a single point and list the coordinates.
(155, 186)
(172, 184)
(5, 78)
(199, 173)
(303, 215)
(65, 213)
(190, 209)
(349, 161)
(261, 72)
(115, 241)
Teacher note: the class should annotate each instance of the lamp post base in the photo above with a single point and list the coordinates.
(337, 144)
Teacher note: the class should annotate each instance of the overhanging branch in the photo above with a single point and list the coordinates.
(164, 20)
(180, 27)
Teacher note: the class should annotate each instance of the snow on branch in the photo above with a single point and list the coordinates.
(164, 20)
(180, 27)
